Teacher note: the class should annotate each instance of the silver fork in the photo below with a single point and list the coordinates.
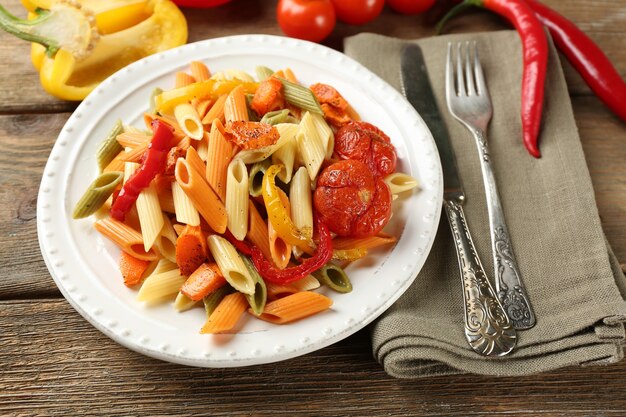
(470, 104)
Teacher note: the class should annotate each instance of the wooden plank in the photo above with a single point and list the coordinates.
(603, 20)
(52, 362)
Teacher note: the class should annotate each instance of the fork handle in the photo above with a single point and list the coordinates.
(511, 291)
(487, 327)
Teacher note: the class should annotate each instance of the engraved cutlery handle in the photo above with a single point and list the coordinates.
(511, 291)
(487, 327)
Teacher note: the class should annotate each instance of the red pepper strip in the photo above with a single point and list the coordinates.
(241, 245)
(535, 50)
(154, 164)
(321, 256)
(584, 55)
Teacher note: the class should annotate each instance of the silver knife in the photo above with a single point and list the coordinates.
(488, 329)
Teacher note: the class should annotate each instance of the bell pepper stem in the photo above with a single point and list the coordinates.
(23, 29)
(456, 10)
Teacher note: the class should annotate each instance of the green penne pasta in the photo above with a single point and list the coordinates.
(263, 73)
(300, 97)
(155, 92)
(259, 298)
(255, 177)
(212, 300)
(109, 147)
(252, 116)
(97, 194)
(275, 117)
(334, 277)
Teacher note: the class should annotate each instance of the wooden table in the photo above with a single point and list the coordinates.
(52, 362)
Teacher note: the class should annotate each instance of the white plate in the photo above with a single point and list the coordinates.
(84, 264)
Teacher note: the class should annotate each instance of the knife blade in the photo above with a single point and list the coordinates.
(417, 89)
(489, 334)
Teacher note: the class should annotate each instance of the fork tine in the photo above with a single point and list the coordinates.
(450, 92)
(460, 84)
(481, 86)
(469, 76)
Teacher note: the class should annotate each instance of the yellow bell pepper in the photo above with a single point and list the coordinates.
(80, 43)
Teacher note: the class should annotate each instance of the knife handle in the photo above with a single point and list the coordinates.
(487, 327)
(509, 287)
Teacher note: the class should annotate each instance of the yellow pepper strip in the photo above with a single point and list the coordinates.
(68, 78)
(278, 215)
(349, 254)
(168, 100)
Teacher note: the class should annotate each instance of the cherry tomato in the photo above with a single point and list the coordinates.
(410, 6)
(368, 144)
(200, 3)
(311, 20)
(358, 12)
(351, 201)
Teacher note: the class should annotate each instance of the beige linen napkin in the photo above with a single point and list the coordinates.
(571, 275)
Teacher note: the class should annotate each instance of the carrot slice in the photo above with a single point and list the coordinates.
(204, 280)
(268, 97)
(132, 269)
(191, 249)
(251, 135)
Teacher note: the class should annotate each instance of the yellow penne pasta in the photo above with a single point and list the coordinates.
(235, 107)
(166, 241)
(325, 134)
(237, 198)
(183, 207)
(184, 303)
(202, 147)
(286, 154)
(163, 265)
(310, 146)
(166, 199)
(301, 202)
(230, 263)
(199, 71)
(370, 242)
(150, 216)
(201, 195)
(183, 79)
(158, 286)
(400, 182)
(257, 231)
(279, 249)
(295, 307)
(235, 74)
(216, 111)
(226, 315)
(219, 155)
(128, 239)
(189, 121)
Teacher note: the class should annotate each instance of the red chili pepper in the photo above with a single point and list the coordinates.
(153, 165)
(590, 62)
(321, 256)
(241, 245)
(535, 50)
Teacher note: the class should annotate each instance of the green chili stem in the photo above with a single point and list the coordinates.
(26, 29)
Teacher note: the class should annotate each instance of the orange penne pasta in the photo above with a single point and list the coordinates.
(184, 143)
(307, 283)
(295, 307)
(370, 242)
(219, 155)
(279, 74)
(235, 107)
(202, 106)
(116, 164)
(289, 75)
(135, 155)
(280, 250)
(199, 71)
(178, 132)
(227, 314)
(166, 200)
(183, 79)
(216, 111)
(132, 139)
(127, 238)
(257, 231)
(201, 195)
(194, 161)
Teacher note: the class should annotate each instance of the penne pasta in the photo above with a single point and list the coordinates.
(310, 146)
(109, 147)
(199, 71)
(132, 139)
(212, 300)
(126, 238)
(194, 160)
(400, 182)
(216, 111)
(184, 303)
(231, 264)
(226, 315)
(325, 133)
(183, 79)
(334, 277)
(301, 202)
(279, 249)
(257, 300)
(166, 199)
(257, 231)
(166, 241)
(235, 106)
(219, 155)
(158, 286)
(289, 75)
(370, 242)
(201, 195)
(152, 104)
(97, 194)
(295, 307)
(202, 106)
(237, 198)
(189, 121)
(300, 97)
(263, 73)
(185, 211)
(251, 156)
(150, 216)
(164, 265)
(307, 283)
(255, 177)
(286, 154)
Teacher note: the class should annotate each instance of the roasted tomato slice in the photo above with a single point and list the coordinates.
(251, 135)
(368, 144)
(268, 97)
(351, 201)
